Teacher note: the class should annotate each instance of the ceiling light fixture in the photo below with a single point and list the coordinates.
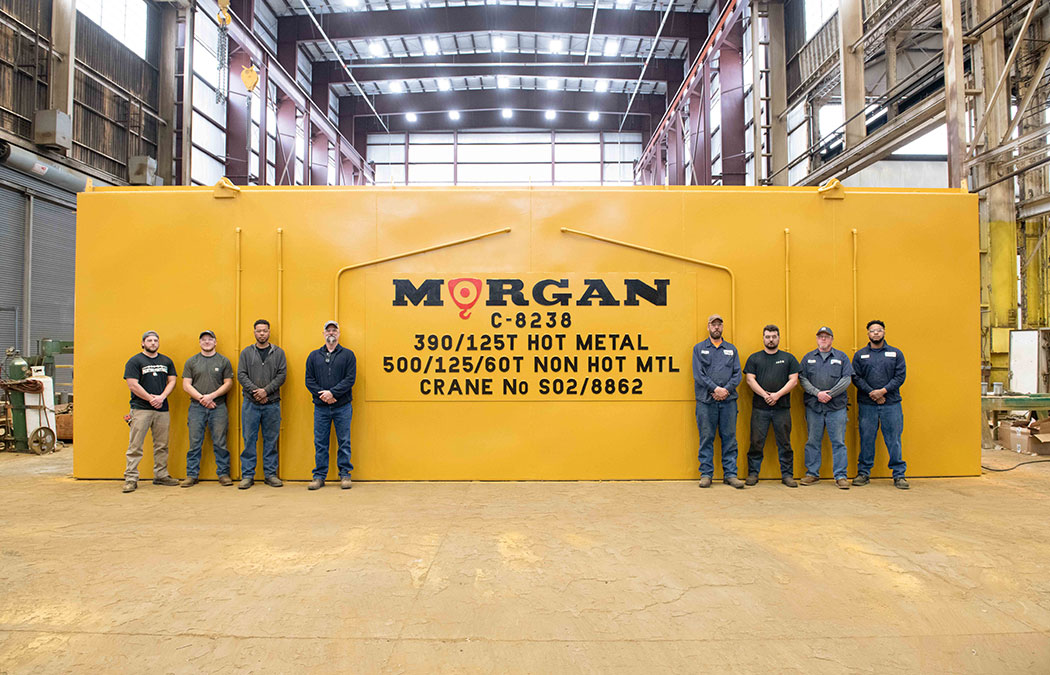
(411, 117)
(612, 47)
(502, 81)
(601, 86)
(352, 3)
(550, 114)
(592, 116)
(396, 88)
(431, 46)
(623, 4)
(556, 46)
(453, 115)
(444, 84)
(376, 49)
(552, 83)
(499, 44)
(507, 113)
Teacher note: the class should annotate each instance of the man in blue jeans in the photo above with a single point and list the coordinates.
(716, 375)
(825, 377)
(206, 377)
(878, 373)
(261, 370)
(330, 375)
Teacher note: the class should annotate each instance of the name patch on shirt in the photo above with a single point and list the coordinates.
(865, 356)
(891, 355)
(704, 351)
(811, 361)
(727, 352)
(779, 362)
(834, 361)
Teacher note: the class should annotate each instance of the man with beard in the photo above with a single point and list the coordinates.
(878, 373)
(771, 374)
(206, 377)
(825, 377)
(330, 375)
(150, 376)
(716, 374)
(261, 370)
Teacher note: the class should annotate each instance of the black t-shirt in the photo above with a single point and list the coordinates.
(152, 374)
(772, 372)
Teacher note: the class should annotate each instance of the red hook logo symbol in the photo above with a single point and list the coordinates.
(465, 293)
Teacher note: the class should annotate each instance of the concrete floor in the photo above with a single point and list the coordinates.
(524, 577)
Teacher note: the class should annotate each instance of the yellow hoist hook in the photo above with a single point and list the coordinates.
(224, 13)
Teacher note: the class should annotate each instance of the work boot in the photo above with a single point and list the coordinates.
(901, 483)
(705, 481)
(734, 482)
(345, 483)
(225, 481)
(842, 483)
(809, 480)
(129, 486)
(166, 480)
(189, 481)
(861, 479)
(789, 481)
(752, 479)
(273, 481)
(316, 484)
(246, 482)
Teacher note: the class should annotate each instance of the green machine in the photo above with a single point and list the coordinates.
(15, 369)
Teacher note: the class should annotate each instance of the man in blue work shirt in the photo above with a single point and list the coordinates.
(716, 374)
(330, 375)
(825, 377)
(878, 373)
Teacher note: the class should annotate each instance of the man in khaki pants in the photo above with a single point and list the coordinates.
(151, 377)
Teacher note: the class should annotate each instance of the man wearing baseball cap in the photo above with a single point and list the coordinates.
(330, 375)
(150, 376)
(825, 377)
(716, 375)
(206, 377)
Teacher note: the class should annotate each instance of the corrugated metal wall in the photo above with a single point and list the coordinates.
(52, 265)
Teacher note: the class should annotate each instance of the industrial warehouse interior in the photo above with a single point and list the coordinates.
(525, 336)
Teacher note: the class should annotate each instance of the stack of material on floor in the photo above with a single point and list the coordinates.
(64, 422)
(1031, 436)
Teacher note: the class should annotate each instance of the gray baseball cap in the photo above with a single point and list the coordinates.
(150, 332)
(331, 322)
(205, 332)
(825, 329)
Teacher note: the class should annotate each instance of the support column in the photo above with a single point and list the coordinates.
(318, 157)
(169, 35)
(778, 135)
(999, 273)
(184, 111)
(851, 28)
(675, 152)
(758, 93)
(731, 85)
(955, 85)
(63, 47)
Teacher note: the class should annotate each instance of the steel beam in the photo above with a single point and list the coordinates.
(474, 65)
(237, 123)
(954, 83)
(169, 35)
(63, 50)
(488, 19)
(778, 135)
(493, 120)
(285, 168)
(516, 99)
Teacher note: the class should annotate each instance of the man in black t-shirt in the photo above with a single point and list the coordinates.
(150, 376)
(771, 374)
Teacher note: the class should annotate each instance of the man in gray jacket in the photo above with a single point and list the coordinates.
(261, 370)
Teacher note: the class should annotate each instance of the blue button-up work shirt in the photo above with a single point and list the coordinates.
(715, 367)
(876, 369)
(824, 370)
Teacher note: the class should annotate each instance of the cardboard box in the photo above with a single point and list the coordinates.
(1024, 439)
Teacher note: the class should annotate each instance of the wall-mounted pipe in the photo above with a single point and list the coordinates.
(41, 169)
(787, 288)
(674, 256)
(398, 256)
(280, 324)
(237, 332)
(854, 289)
